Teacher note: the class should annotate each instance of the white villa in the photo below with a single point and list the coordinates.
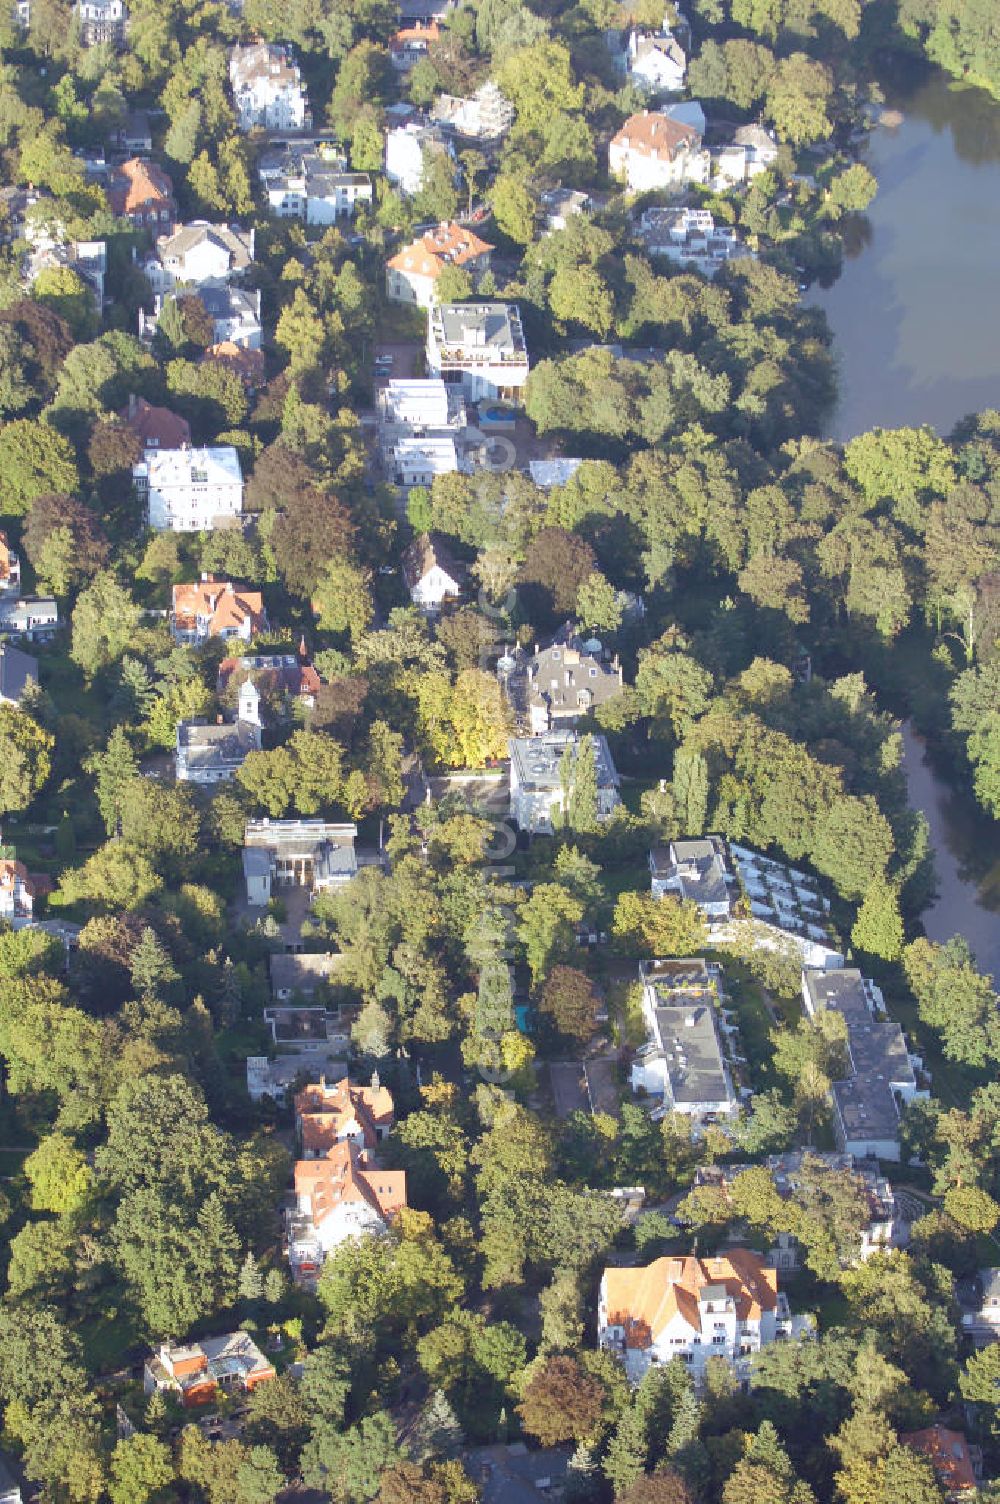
(190, 490)
(694, 1309)
(537, 787)
(654, 151)
(267, 88)
(480, 347)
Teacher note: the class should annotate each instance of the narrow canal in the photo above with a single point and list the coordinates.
(966, 855)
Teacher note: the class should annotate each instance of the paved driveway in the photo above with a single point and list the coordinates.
(569, 1087)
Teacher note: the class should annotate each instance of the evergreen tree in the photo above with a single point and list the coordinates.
(437, 1432)
(153, 972)
(274, 1287)
(691, 790)
(684, 1445)
(113, 770)
(581, 810)
(251, 1281)
(878, 928)
(230, 1003)
(627, 1451)
(583, 1480)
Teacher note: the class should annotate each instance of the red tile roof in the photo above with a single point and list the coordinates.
(348, 1174)
(324, 1114)
(948, 1452)
(655, 135)
(449, 244)
(156, 427)
(139, 184)
(645, 1300)
(221, 604)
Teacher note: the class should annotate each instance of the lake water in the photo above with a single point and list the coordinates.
(916, 322)
(915, 312)
(966, 857)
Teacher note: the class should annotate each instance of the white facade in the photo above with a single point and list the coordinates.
(537, 794)
(653, 152)
(656, 64)
(480, 347)
(694, 1309)
(416, 461)
(434, 588)
(190, 490)
(418, 403)
(405, 146)
(320, 198)
(267, 88)
(682, 1062)
(199, 252)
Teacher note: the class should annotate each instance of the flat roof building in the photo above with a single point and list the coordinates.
(478, 346)
(682, 1060)
(538, 785)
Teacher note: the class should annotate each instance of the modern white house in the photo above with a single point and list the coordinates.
(310, 853)
(691, 237)
(406, 148)
(420, 403)
(652, 151)
(415, 460)
(213, 752)
(479, 347)
(683, 1063)
(411, 276)
(430, 574)
(542, 769)
(190, 490)
(267, 88)
(657, 63)
(727, 1306)
(319, 194)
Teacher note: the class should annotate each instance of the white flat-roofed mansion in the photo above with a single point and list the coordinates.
(310, 853)
(541, 777)
(480, 347)
(190, 490)
(415, 459)
(683, 1062)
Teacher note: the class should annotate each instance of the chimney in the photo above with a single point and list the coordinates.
(133, 403)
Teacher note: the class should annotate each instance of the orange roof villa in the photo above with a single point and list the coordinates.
(727, 1306)
(341, 1191)
(216, 608)
(412, 274)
